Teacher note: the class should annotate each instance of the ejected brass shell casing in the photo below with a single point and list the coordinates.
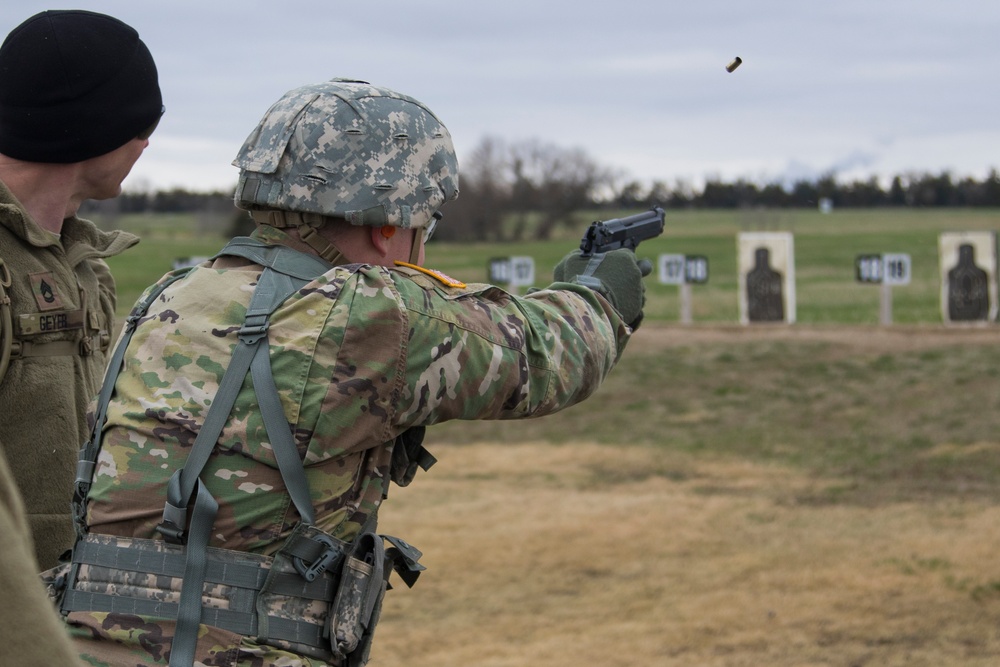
(737, 61)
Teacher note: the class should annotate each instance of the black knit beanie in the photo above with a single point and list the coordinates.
(74, 85)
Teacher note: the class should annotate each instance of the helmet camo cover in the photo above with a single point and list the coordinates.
(347, 149)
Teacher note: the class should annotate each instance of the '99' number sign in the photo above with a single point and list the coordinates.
(890, 268)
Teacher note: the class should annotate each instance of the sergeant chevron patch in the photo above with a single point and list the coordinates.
(442, 278)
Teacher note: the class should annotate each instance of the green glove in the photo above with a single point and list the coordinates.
(617, 275)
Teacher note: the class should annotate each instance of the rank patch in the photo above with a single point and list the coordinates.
(442, 278)
(45, 289)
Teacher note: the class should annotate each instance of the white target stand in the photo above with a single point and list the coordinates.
(683, 271)
(888, 270)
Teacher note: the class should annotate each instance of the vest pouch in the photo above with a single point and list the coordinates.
(408, 454)
(358, 602)
(54, 581)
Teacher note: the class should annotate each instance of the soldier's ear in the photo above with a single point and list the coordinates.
(380, 239)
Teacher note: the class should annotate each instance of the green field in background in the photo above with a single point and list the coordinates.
(899, 419)
(825, 248)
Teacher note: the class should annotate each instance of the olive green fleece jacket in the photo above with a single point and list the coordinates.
(61, 291)
(30, 630)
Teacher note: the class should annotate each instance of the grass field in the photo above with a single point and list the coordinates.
(826, 493)
(730, 497)
(825, 248)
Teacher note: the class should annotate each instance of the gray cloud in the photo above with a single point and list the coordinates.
(640, 85)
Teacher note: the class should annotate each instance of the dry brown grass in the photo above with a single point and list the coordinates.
(536, 558)
(777, 496)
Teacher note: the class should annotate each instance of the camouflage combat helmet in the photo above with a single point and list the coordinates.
(349, 150)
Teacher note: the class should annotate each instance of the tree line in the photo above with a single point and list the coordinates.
(528, 189)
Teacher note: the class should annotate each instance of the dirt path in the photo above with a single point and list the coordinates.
(890, 338)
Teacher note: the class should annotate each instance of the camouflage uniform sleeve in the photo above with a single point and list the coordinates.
(478, 352)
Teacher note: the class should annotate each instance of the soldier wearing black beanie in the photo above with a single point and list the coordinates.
(74, 85)
(78, 98)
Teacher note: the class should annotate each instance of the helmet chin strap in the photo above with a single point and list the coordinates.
(323, 248)
(415, 248)
(305, 224)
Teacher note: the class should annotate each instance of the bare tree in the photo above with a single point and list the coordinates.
(484, 202)
(554, 182)
(509, 192)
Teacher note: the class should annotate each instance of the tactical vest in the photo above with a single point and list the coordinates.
(318, 596)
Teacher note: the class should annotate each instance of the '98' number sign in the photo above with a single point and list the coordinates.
(890, 268)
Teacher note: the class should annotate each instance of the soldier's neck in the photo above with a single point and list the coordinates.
(46, 191)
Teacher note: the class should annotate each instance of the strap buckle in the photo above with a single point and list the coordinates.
(252, 333)
(132, 321)
(171, 533)
(328, 556)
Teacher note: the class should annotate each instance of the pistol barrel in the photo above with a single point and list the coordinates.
(625, 232)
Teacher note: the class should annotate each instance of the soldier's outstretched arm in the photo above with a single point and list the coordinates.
(478, 352)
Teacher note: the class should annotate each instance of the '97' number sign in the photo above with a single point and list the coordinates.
(681, 269)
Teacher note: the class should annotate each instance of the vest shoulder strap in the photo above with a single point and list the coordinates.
(282, 259)
(91, 449)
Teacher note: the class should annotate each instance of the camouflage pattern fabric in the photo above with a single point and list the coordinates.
(216, 646)
(359, 355)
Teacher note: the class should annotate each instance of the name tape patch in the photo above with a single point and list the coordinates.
(32, 324)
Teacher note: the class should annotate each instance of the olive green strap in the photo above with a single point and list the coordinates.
(91, 449)
(6, 321)
(251, 355)
(182, 648)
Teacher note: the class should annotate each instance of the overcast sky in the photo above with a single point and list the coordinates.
(862, 87)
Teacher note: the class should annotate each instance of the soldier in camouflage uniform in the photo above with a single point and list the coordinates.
(364, 351)
(78, 98)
